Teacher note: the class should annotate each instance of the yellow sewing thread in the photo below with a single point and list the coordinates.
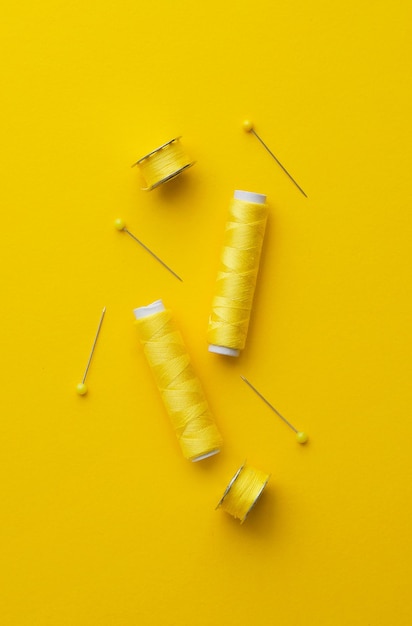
(163, 164)
(236, 279)
(243, 492)
(178, 385)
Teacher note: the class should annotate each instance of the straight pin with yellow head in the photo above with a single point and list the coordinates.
(120, 225)
(81, 388)
(301, 437)
(248, 127)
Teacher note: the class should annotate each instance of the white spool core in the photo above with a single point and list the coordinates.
(223, 350)
(205, 456)
(144, 311)
(249, 196)
(246, 196)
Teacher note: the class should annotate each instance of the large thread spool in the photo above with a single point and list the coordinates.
(177, 382)
(166, 162)
(236, 279)
(243, 491)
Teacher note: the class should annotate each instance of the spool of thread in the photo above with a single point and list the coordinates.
(163, 164)
(236, 279)
(243, 491)
(177, 382)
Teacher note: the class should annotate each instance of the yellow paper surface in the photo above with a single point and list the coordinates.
(102, 520)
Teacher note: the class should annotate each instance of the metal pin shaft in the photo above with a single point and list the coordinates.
(152, 253)
(269, 404)
(277, 161)
(94, 345)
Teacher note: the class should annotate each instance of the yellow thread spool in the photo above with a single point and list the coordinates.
(179, 387)
(163, 164)
(243, 491)
(236, 279)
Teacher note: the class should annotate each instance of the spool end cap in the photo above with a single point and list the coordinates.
(223, 350)
(144, 311)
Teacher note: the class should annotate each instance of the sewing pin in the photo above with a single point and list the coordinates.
(81, 388)
(248, 127)
(121, 226)
(301, 437)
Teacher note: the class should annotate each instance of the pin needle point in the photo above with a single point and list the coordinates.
(248, 127)
(81, 388)
(301, 437)
(121, 226)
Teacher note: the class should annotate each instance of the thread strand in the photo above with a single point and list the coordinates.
(236, 278)
(163, 164)
(179, 386)
(243, 492)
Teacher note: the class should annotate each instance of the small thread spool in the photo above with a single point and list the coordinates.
(243, 491)
(236, 279)
(163, 164)
(177, 382)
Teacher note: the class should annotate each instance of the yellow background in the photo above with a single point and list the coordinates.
(102, 520)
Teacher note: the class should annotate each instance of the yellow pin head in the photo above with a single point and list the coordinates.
(301, 437)
(247, 126)
(81, 389)
(119, 224)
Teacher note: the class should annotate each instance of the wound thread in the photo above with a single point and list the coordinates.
(243, 491)
(179, 387)
(236, 279)
(163, 164)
